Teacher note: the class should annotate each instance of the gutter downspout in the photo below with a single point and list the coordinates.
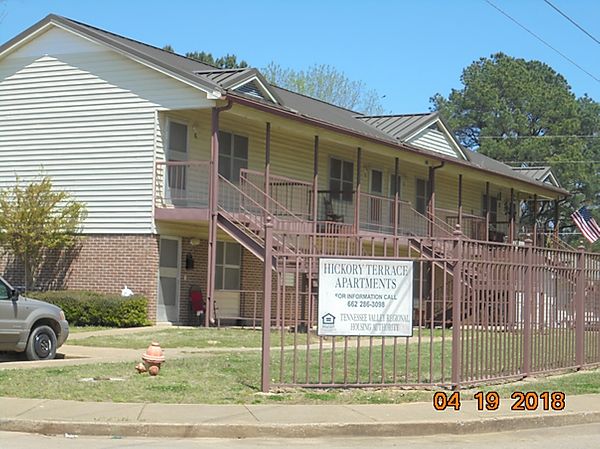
(213, 203)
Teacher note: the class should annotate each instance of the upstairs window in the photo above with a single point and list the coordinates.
(341, 179)
(422, 196)
(178, 134)
(233, 155)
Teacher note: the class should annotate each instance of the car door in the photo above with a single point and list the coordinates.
(11, 322)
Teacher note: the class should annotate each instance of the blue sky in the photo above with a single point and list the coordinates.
(406, 50)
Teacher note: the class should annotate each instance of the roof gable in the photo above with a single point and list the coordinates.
(167, 63)
(246, 81)
(541, 174)
(424, 131)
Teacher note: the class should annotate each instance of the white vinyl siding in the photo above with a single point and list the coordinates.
(434, 140)
(86, 117)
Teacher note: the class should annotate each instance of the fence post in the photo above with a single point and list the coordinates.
(580, 308)
(266, 318)
(527, 306)
(457, 278)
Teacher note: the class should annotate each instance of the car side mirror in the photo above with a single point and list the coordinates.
(15, 294)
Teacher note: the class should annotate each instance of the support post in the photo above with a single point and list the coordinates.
(266, 318)
(396, 196)
(487, 211)
(535, 212)
(527, 307)
(213, 210)
(267, 187)
(358, 190)
(431, 200)
(212, 224)
(460, 199)
(315, 186)
(580, 309)
(556, 220)
(457, 273)
(511, 212)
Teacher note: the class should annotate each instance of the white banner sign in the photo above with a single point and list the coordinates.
(365, 297)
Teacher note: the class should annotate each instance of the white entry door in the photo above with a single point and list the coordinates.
(168, 290)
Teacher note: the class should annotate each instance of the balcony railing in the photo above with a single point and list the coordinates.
(181, 184)
(185, 184)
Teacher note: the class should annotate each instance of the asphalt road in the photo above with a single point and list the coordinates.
(580, 437)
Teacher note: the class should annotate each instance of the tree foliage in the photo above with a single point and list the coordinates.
(328, 84)
(224, 62)
(35, 218)
(524, 112)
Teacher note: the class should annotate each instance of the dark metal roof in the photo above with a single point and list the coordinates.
(400, 126)
(327, 112)
(538, 173)
(223, 76)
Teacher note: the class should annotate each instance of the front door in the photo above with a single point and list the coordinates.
(168, 291)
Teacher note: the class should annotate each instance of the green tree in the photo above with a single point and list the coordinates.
(169, 48)
(35, 218)
(225, 62)
(328, 84)
(524, 112)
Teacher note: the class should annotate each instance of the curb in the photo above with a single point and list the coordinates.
(310, 430)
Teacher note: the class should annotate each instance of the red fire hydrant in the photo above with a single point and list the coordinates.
(153, 358)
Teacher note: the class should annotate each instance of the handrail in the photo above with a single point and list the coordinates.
(285, 210)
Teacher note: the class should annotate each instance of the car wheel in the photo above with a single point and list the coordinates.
(41, 344)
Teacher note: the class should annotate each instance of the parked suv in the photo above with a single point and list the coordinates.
(31, 326)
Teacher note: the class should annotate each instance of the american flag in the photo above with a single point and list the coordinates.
(586, 224)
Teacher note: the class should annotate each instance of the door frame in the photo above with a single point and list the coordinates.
(177, 278)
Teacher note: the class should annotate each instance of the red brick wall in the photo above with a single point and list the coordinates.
(103, 263)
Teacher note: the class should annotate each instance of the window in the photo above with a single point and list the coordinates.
(178, 137)
(177, 151)
(341, 179)
(229, 257)
(493, 208)
(4, 292)
(422, 196)
(233, 155)
(377, 182)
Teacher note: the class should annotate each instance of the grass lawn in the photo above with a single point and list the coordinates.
(199, 337)
(231, 378)
(79, 329)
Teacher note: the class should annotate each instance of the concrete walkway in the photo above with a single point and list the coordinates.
(291, 421)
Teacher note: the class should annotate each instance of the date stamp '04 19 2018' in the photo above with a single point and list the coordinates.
(490, 401)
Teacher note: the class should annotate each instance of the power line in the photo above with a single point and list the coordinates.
(550, 162)
(542, 41)
(565, 136)
(572, 21)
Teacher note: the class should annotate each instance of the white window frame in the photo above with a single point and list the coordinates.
(232, 157)
(224, 265)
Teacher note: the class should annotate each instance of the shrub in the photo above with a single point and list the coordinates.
(85, 308)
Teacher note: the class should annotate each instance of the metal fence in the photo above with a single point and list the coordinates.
(482, 312)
